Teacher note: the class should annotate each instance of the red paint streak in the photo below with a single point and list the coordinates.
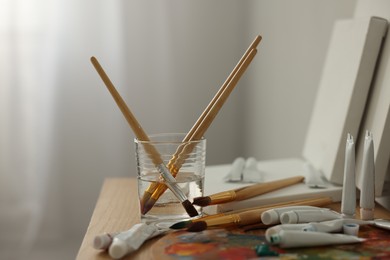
(237, 253)
(188, 249)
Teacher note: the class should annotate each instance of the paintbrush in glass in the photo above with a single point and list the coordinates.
(141, 135)
(154, 191)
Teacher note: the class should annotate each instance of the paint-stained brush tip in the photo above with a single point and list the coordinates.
(181, 224)
(192, 212)
(197, 226)
(148, 205)
(202, 201)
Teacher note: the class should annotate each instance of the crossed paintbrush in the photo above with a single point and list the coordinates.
(154, 191)
(141, 135)
(169, 171)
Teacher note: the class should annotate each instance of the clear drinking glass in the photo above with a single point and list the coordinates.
(185, 161)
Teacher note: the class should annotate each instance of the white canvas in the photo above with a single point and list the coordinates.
(342, 93)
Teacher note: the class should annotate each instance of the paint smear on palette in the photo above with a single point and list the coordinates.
(208, 244)
(237, 253)
(237, 245)
(189, 249)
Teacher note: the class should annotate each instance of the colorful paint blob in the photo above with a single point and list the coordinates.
(237, 253)
(239, 245)
(189, 249)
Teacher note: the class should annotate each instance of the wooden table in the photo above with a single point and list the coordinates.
(117, 209)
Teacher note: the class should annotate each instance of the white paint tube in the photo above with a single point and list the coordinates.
(308, 215)
(130, 240)
(250, 173)
(276, 229)
(367, 193)
(293, 239)
(333, 226)
(330, 226)
(272, 216)
(348, 201)
(103, 241)
(235, 173)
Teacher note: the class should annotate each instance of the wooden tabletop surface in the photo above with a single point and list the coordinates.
(117, 209)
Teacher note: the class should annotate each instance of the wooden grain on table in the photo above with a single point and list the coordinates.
(117, 209)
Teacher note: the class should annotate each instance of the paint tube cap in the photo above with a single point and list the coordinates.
(275, 239)
(118, 249)
(102, 241)
(264, 250)
(366, 214)
(289, 217)
(309, 227)
(270, 217)
(351, 229)
(272, 231)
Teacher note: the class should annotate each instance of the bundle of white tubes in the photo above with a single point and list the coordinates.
(305, 226)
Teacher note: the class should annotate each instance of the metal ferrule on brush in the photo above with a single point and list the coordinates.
(226, 220)
(222, 197)
(171, 183)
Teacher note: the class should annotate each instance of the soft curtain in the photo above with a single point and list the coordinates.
(61, 133)
(27, 75)
(37, 43)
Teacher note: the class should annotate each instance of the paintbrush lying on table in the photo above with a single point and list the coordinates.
(318, 202)
(246, 192)
(248, 217)
(154, 191)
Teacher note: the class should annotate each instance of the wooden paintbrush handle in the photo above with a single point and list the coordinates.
(205, 120)
(254, 216)
(177, 159)
(208, 119)
(251, 217)
(318, 202)
(180, 155)
(130, 118)
(253, 45)
(262, 188)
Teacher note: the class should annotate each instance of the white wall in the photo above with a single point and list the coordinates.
(281, 92)
(379, 8)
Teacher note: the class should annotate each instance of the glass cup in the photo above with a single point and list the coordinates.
(185, 162)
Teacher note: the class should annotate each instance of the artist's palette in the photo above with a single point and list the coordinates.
(208, 244)
(237, 245)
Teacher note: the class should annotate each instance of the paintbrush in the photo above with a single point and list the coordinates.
(201, 125)
(320, 201)
(245, 218)
(246, 192)
(141, 135)
(154, 191)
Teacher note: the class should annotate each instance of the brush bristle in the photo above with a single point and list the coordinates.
(144, 200)
(192, 212)
(181, 224)
(202, 201)
(148, 205)
(197, 226)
